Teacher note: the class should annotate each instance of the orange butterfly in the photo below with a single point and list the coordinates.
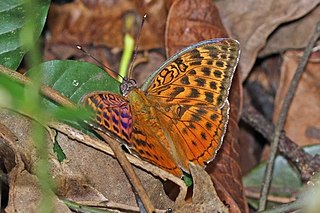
(180, 113)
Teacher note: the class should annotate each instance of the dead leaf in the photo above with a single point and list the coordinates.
(101, 23)
(303, 123)
(252, 22)
(189, 22)
(24, 189)
(86, 175)
(204, 199)
(292, 35)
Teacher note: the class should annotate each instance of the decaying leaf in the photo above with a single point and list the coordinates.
(302, 125)
(253, 22)
(204, 199)
(86, 175)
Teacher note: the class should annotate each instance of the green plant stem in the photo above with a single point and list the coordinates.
(32, 92)
(126, 56)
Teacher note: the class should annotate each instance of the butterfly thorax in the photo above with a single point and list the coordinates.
(139, 101)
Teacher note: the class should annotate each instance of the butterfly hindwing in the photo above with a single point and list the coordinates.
(114, 114)
(198, 75)
(150, 144)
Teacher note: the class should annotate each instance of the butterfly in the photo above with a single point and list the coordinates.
(180, 114)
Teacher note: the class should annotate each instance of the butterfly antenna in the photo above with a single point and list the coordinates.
(137, 45)
(99, 62)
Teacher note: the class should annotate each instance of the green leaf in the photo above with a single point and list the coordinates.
(187, 179)
(285, 180)
(74, 79)
(12, 19)
(58, 150)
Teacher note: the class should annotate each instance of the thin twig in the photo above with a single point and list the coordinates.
(304, 162)
(84, 209)
(45, 90)
(128, 169)
(99, 207)
(275, 199)
(288, 207)
(282, 118)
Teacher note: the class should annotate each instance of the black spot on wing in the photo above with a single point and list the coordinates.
(217, 73)
(203, 135)
(209, 97)
(206, 71)
(213, 85)
(194, 93)
(219, 64)
(209, 126)
(213, 117)
(195, 63)
(192, 72)
(185, 80)
(200, 82)
(176, 91)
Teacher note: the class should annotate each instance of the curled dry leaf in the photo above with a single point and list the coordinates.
(252, 22)
(189, 22)
(302, 124)
(204, 197)
(101, 23)
(24, 190)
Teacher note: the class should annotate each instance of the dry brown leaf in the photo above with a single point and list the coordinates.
(104, 173)
(24, 189)
(101, 22)
(190, 22)
(86, 175)
(303, 121)
(292, 35)
(225, 169)
(204, 199)
(252, 22)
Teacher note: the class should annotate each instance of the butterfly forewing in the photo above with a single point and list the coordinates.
(199, 75)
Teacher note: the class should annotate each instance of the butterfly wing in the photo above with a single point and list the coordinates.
(113, 114)
(198, 75)
(150, 143)
(196, 131)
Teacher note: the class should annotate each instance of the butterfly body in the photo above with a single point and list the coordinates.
(180, 114)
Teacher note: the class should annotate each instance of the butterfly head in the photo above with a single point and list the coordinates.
(127, 85)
